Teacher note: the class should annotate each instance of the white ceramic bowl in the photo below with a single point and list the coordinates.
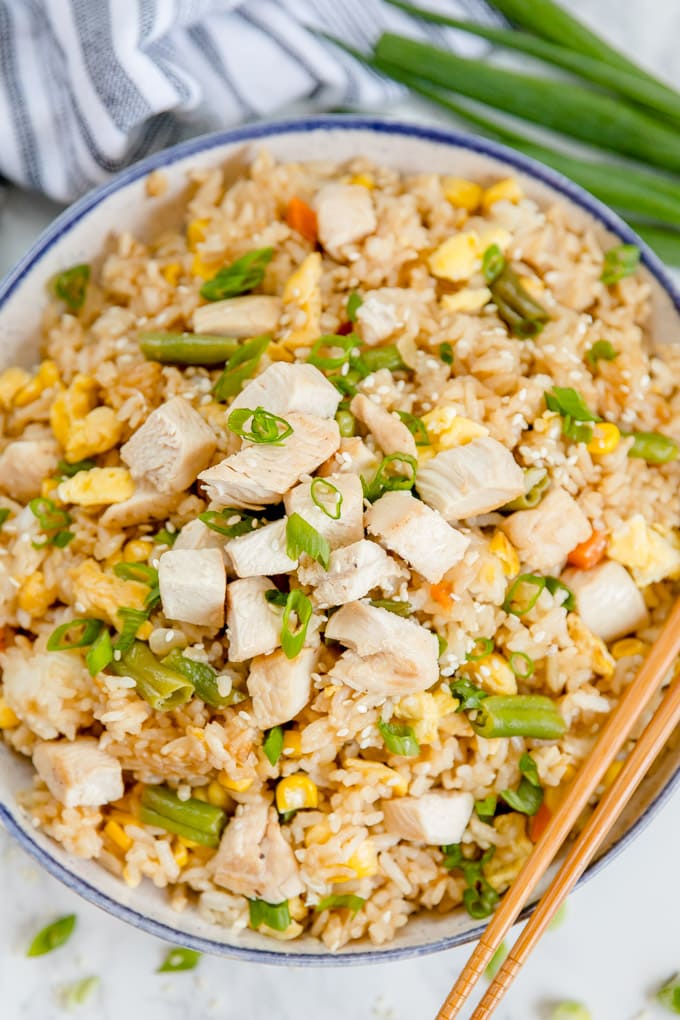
(77, 236)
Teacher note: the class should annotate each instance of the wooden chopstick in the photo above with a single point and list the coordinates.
(617, 729)
(608, 810)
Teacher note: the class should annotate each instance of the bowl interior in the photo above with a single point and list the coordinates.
(78, 236)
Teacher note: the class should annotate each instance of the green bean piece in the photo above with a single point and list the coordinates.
(203, 678)
(163, 688)
(522, 315)
(537, 483)
(519, 715)
(187, 348)
(653, 447)
(240, 277)
(194, 819)
(374, 358)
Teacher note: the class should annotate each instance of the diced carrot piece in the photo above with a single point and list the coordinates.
(538, 822)
(301, 217)
(345, 328)
(441, 593)
(589, 553)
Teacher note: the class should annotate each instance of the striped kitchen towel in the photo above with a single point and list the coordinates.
(88, 86)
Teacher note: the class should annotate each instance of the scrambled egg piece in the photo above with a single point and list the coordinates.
(462, 194)
(423, 711)
(459, 257)
(46, 376)
(503, 549)
(471, 299)
(81, 428)
(12, 380)
(103, 594)
(508, 861)
(447, 429)
(493, 674)
(649, 555)
(97, 486)
(507, 189)
(35, 596)
(600, 659)
(302, 294)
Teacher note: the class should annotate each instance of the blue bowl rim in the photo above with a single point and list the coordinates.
(65, 222)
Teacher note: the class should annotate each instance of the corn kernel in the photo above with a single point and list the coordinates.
(508, 189)
(461, 193)
(606, 438)
(296, 792)
(501, 546)
(123, 817)
(118, 835)
(12, 380)
(196, 233)
(205, 268)
(217, 795)
(97, 486)
(171, 273)
(200, 793)
(8, 718)
(137, 550)
(189, 843)
(292, 931)
(46, 376)
(364, 180)
(237, 785)
(181, 854)
(145, 630)
(493, 673)
(130, 881)
(611, 774)
(292, 744)
(627, 647)
(364, 860)
(34, 596)
(298, 911)
(471, 299)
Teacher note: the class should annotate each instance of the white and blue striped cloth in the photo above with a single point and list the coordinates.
(88, 86)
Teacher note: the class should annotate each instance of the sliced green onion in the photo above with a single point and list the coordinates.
(388, 479)
(231, 521)
(526, 799)
(165, 537)
(74, 634)
(479, 899)
(518, 600)
(71, 286)
(274, 915)
(442, 645)
(416, 427)
(654, 447)
(518, 715)
(61, 539)
(301, 537)
(273, 744)
(203, 678)
(344, 901)
(496, 961)
(570, 405)
(327, 497)
(493, 263)
(522, 665)
(468, 694)
(194, 819)
(485, 809)
(399, 738)
(619, 262)
(536, 482)
(570, 1011)
(77, 993)
(276, 598)
(265, 427)
(446, 353)
(347, 423)
(601, 350)
(137, 572)
(393, 606)
(67, 470)
(187, 348)
(53, 936)
(669, 995)
(242, 365)
(321, 355)
(482, 647)
(132, 620)
(354, 303)
(163, 688)
(4, 514)
(375, 358)
(179, 959)
(49, 516)
(553, 584)
(100, 654)
(240, 277)
(153, 599)
(529, 769)
(293, 634)
(346, 383)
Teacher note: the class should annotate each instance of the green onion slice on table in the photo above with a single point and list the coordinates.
(669, 995)
(53, 936)
(193, 819)
(179, 959)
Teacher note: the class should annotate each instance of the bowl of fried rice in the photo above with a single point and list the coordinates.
(338, 507)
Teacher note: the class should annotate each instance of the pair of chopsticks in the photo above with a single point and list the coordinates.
(617, 730)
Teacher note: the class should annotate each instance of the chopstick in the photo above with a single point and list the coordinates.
(616, 730)
(608, 810)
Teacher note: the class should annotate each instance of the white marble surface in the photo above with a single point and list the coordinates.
(621, 936)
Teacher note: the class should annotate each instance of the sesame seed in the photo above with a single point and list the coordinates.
(118, 655)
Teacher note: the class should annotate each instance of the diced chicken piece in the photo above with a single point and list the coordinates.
(145, 504)
(171, 447)
(196, 535)
(253, 624)
(417, 533)
(78, 774)
(470, 479)
(349, 527)
(433, 818)
(608, 600)
(384, 311)
(254, 858)
(345, 214)
(389, 431)
(280, 687)
(193, 586)
(259, 475)
(262, 551)
(283, 387)
(544, 536)
(239, 316)
(351, 456)
(353, 571)
(388, 655)
(24, 464)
